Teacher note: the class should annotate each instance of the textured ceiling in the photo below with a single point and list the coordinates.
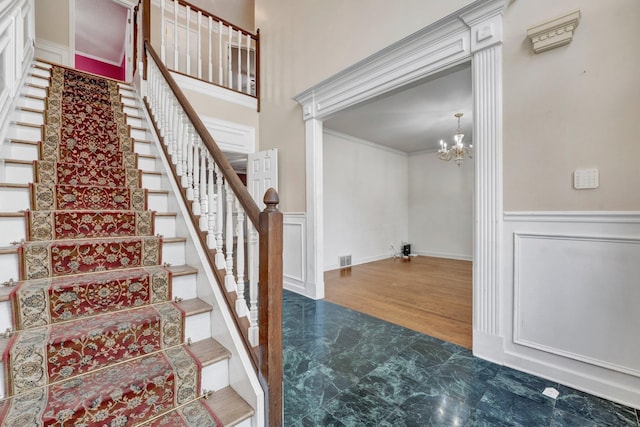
(416, 118)
(101, 29)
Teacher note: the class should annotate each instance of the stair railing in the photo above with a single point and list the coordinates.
(201, 45)
(243, 245)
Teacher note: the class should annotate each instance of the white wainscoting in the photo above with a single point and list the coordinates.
(570, 298)
(54, 52)
(294, 256)
(231, 137)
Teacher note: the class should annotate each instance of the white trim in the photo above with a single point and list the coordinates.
(98, 58)
(629, 217)
(554, 32)
(53, 52)
(292, 249)
(364, 142)
(359, 261)
(223, 132)
(72, 33)
(215, 91)
(425, 151)
(445, 255)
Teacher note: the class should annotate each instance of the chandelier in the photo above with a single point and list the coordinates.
(457, 151)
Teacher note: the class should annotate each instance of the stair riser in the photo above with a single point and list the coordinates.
(18, 151)
(14, 228)
(147, 164)
(184, 287)
(9, 267)
(40, 72)
(198, 327)
(37, 104)
(127, 101)
(39, 78)
(215, 376)
(173, 253)
(26, 133)
(131, 110)
(158, 202)
(133, 120)
(36, 91)
(28, 117)
(141, 146)
(140, 135)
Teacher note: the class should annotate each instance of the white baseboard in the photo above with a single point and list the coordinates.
(445, 255)
(359, 261)
(53, 52)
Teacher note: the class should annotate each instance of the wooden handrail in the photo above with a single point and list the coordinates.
(230, 175)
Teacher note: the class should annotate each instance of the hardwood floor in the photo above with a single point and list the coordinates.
(428, 295)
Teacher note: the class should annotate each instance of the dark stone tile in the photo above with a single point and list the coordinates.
(358, 407)
(504, 406)
(388, 384)
(320, 417)
(425, 410)
(523, 384)
(601, 411)
(565, 419)
(428, 351)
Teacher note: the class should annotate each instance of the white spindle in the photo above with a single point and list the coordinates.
(190, 148)
(197, 150)
(175, 124)
(211, 210)
(229, 281)
(186, 140)
(241, 303)
(163, 37)
(248, 64)
(253, 284)
(199, 44)
(176, 57)
(239, 84)
(210, 65)
(188, 41)
(220, 53)
(220, 262)
(203, 189)
(229, 59)
(179, 143)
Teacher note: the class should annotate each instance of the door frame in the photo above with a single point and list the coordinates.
(473, 33)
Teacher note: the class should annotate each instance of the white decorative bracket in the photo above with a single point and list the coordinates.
(554, 32)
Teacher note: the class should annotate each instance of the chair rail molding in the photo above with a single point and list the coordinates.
(473, 33)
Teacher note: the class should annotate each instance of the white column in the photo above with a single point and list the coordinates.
(188, 53)
(210, 66)
(199, 44)
(315, 236)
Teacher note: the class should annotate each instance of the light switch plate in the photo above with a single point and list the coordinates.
(585, 178)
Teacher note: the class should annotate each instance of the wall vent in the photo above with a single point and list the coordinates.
(344, 261)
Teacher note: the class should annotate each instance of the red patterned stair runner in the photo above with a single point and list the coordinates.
(98, 342)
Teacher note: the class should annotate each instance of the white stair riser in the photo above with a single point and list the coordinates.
(215, 377)
(157, 202)
(38, 80)
(28, 117)
(128, 101)
(140, 135)
(38, 104)
(184, 287)
(133, 120)
(14, 228)
(134, 111)
(18, 173)
(27, 133)
(198, 327)
(36, 91)
(2, 391)
(174, 253)
(151, 181)
(18, 151)
(141, 146)
(14, 199)
(9, 267)
(40, 72)
(147, 164)
(245, 423)
(165, 226)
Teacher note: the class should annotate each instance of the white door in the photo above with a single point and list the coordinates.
(262, 173)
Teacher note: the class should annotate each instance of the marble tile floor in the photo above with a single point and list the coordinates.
(344, 368)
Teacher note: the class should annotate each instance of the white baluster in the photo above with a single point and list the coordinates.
(220, 74)
(199, 45)
(241, 303)
(248, 64)
(210, 67)
(179, 142)
(197, 152)
(188, 41)
(253, 284)
(174, 131)
(176, 57)
(239, 84)
(190, 147)
(203, 189)
(229, 73)
(186, 140)
(220, 262)
(211, 210)
(163, 38)
(229, 280)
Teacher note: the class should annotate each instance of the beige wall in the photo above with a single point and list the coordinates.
(52, 21)
(236, 12)
(304, 42)
(572, 107)
(212, 107)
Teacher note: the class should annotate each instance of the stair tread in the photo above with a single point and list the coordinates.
(174, 239)
(26, 124)
(23, 141)
(182, 270)
(19, 162)
(194, 306)
(30, 110)
(209, 351)
(229, 407)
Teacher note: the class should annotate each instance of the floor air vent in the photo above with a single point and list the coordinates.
(344, 261)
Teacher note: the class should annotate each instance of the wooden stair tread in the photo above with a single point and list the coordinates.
(23, 141)
(19, 162)
(182, 270)
(229, 407)
(5, 291)
(30, 110)
(158, 191)
(166, 214)
(194, 306)
(29, 125)
(209, 351)
(12, 185)
(174, 239)
(36, 86)
(36, 97)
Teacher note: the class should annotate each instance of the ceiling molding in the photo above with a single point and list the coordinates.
(364, 142)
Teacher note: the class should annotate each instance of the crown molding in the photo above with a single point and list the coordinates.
(554, 32)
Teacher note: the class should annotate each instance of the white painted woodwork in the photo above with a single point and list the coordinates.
(554, 32)
(262, 174)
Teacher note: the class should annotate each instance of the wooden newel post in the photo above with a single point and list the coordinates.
(270, 306)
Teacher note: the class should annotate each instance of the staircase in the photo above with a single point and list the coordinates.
(106, 323)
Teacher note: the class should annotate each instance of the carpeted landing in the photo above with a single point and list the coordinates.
(98, 340)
